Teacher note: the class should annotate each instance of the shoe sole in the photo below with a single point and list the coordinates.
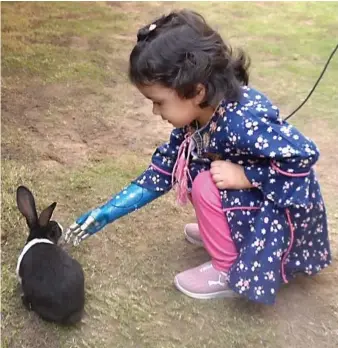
(220, 294)
(192, 240)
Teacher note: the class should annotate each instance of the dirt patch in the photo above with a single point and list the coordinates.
(306, 308)
(132, 7)
(129, 38)
(72, 134)
(79, 43)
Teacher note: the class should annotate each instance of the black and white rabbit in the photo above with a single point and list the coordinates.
(52, 281)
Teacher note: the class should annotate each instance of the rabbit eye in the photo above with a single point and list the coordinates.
(55, 230)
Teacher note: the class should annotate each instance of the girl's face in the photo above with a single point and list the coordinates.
(178, 111)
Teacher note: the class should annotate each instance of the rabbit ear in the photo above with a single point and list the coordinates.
(26, 205)
(46, 214)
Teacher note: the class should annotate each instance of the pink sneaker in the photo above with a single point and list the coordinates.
(204, 282)
(192, 234)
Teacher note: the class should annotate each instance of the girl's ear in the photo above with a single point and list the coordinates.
(200, 94)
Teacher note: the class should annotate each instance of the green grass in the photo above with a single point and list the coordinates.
(289, 44)
(36, 39)
(64, 83)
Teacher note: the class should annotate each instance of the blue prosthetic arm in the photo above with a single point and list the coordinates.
(128, 200)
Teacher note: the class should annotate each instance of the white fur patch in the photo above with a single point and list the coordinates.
(26, 248)
(61, 228)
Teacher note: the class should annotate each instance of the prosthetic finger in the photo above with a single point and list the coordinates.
(70, 231)
(79, 239)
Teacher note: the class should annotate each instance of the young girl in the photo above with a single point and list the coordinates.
(249, 175)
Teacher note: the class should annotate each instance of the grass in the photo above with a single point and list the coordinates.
(36, 41)
(291, 42)
(74, 131)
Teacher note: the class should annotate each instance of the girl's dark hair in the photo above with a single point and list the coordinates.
(181, 50)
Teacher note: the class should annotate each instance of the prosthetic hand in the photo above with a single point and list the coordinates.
(131, 198)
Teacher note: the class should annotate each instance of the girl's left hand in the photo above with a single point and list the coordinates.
(228, 175)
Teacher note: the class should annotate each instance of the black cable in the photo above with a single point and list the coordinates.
(314, 87)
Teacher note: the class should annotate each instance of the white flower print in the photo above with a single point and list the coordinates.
(155, 179)
(259, 290)
(261, 143)
(243, 285)
(287, 185)
(287, 151)
(252, 126)
(255, 265)
(242, 266)
(286, 130)
(258, 244)
(142, 180)
(270, 276)
(278, 253)
(238, 236)
(275, 226)
(324, 255)
(159, 188)
(306, 254)
(308, 269)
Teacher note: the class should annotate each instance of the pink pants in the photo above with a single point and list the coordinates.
(213, 226)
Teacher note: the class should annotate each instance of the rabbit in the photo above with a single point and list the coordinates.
(52, 282)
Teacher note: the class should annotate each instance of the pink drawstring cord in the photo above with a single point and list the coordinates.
(292, 235)
(181, 172)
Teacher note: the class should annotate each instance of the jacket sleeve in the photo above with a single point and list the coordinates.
(282, 158)
(157, 177)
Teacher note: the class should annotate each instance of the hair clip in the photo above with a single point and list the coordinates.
(152, 27)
